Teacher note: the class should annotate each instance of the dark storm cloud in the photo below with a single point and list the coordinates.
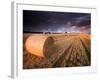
(82, 21)
(39, 21)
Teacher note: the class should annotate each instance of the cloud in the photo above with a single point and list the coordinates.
(81, 21)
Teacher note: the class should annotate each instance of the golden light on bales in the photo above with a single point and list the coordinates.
(39, 45)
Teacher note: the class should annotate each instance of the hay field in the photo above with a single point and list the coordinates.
(68, 50)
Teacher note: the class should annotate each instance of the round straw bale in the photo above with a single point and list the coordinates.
(39, 45)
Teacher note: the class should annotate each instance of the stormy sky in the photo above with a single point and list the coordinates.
(48, 21)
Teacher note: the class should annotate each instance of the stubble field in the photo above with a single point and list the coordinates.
(68, 50)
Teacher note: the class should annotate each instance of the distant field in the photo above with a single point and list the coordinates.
(69, 50)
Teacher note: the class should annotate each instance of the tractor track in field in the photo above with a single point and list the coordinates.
(69, 55)
(86, 49)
